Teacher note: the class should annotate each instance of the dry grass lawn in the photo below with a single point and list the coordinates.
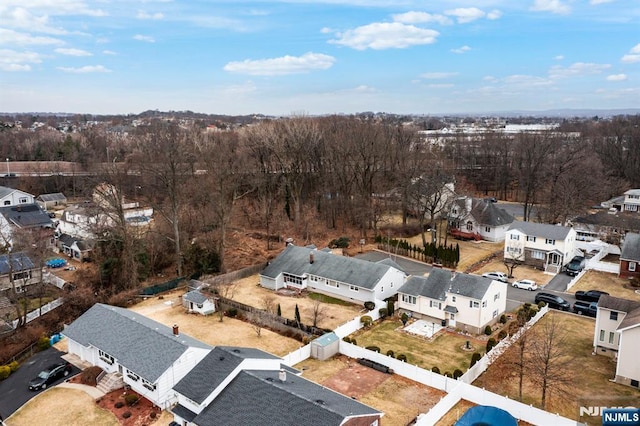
(519, 273)
(230, 332)
(399, 398)
(444, 352)
(589, 374)
(471, 252)
(62, 407)
(249, 292)
(605, 282)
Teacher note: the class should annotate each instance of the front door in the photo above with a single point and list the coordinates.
(452, 320)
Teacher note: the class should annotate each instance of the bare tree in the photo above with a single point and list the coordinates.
(319, 312)
(224, 291)
(269, 303)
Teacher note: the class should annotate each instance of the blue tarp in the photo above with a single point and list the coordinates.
(56, 263)
(483, 415)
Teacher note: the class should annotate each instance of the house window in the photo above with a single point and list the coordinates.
(515, 237)
(292, 279)
(496, 297)
(133, 376)
(434, 304)
(602, 335)
(23, 200)
(550, 241)
(537, 254)
(106, 357)
(634, 383)
(474, 304)
(332, 283)
(611, 337)
(353, 288)
(409, 299)
(484, 303)
(469, 226)
(613, 315)
(148, 385)
(381, 289)
(632, 266)
(495, 313)
(22, 275)
(453, 299)
(313, 278)
(7, 202)
(531, 239)
(514, 250)
(487, 229)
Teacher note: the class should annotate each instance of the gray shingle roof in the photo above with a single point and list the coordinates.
(19, 262)
(295, 260)
(4, 191)
(194, 296)
(56, 196)
(142, 345)
(388, 262)
(271, 402)
(631, 247)
(441, 281)
(543, 230)
(214, 369)
(632, 192)
(26, 215)
(487, 214)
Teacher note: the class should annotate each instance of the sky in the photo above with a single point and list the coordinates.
(316, 57)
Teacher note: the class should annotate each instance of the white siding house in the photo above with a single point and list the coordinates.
(346, 278)
(464, 301)
(631, 201)
(14, 197)
(475, 216)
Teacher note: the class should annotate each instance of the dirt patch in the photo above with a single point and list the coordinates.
(141, 413)
(355, 380)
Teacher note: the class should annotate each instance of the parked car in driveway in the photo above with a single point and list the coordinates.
(589, 296)
(525, 285)
(589, 309)
(576, 265)
(49, 375)
(498, 276)
(555, 302)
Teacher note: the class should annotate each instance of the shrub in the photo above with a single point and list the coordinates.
(13, 365)
(346, 339)
(540, 305)
(457, 373)
(475, 358)
(503, 319)
(436, 370)
(447, 374)
(153, 414)
(373, 348)
(126, 414)
(404, 318)
(353, 341)
(366, 320)
(131, 399)
(383, 312)
(232, 312)
(370, 306)
(89, 375)
(43, 343)
(487, 330)
(502, 334)
(5, 371)
(119, 404)
(491, 343)
(342, 242)
(402, 357)
(390, 353)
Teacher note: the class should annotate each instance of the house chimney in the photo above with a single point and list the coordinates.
(468, 204)
(282, 375)
(311, 258)
(176, 332)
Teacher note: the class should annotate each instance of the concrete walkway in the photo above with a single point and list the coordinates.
(92, 391)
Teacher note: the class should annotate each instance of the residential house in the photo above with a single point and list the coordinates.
(631, 201)
(547, 247)
(617, 334)
(83, 221)
(14, 197)
(49, 201)
(106, 196)
(464, 301)
(24, 219)
(343, 277)
(19, 269)
(241, 386)
(609, 226)
(146, 355)
(197, 302)
(630, 256)
(479, 218)
(74, 247)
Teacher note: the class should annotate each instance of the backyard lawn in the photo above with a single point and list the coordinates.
(519, 273)
(606, 282)
(445, 351)
(589, 374)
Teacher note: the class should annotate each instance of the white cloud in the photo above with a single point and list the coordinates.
(494, 14)
(85, 69)
(421, 18)
(559, 57)
(56, 7)
(553, 6)
(526, 81)
(466, 14)
(144, 15)
(11, 37)
(282, 66)
(438, 75)
(633, 56)
(10, 60)
(380, 36)
(73, 52)
(617, 77)
(22, 18)
(577, 69)
(635, 49)
(600, 1)
(108, 52)
(461, 50)
(144, 38)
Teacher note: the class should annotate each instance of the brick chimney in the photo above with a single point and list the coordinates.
(176, 331)
(311, 258)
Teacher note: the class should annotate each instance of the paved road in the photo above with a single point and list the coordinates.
(14, 391)
(559, 282)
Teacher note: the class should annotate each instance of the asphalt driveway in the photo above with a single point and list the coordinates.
(14, 391)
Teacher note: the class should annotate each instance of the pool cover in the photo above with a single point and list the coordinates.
(483, 415)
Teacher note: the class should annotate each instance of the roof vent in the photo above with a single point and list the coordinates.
(221, 358)
(269, 379)
(319, 401)
(236, 351)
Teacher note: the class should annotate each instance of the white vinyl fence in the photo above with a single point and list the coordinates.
(45, 308)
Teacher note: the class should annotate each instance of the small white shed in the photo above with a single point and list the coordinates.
(196, 301)
(325, 346)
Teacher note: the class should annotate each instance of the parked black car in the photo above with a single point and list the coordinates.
(576, 265)
(50, 375)
(555, 302)
(590, 296)
(589, 309)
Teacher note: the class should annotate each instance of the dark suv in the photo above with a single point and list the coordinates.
(50, 375)
(576, 265)
(589, 296)
(555, 302)
(589, 309)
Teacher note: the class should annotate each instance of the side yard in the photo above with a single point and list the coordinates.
(604, 281)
